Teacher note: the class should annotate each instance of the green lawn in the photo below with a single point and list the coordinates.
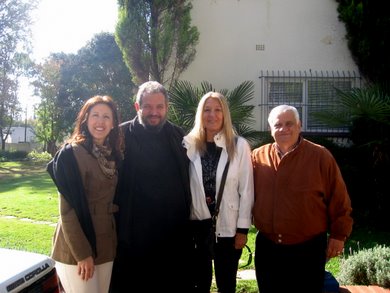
(28, 207)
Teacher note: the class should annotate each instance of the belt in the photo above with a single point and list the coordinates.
(288, 239)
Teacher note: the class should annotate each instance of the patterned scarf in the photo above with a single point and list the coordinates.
(101, 153)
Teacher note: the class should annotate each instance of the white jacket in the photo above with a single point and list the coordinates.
(238, 196)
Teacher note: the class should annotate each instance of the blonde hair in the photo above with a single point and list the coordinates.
(199, 132)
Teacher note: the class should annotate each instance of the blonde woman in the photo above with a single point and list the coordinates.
(210, 145)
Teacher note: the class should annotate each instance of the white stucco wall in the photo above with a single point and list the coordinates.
(298, 35)
(17, 135)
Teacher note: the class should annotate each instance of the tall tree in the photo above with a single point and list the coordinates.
(65, 81)
(156, 38)
(49, 127)
(15, 22)
(8, 107)
(368, 24)
(97, 69)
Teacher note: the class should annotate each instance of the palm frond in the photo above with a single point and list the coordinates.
(368, 103)
(242, 93)
(251, 135)
(184, 99)
(241, 112)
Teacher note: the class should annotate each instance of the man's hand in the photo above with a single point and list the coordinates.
(335, 248)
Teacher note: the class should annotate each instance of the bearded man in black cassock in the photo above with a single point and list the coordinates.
(154, 245)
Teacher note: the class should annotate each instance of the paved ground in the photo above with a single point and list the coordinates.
(363, 289)
(246, 275)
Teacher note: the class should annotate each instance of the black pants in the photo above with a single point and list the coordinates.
(167, 271)
(226, 264)
(226, 259)
(290, 268)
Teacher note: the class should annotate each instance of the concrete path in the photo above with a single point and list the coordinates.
(246, 275)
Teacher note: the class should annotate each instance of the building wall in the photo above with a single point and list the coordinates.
(22, 146)
(17, 135)
(241, 38)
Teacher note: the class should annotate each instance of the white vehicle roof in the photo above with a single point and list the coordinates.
(19, 269)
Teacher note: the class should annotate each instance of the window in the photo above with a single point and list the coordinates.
(310, 94)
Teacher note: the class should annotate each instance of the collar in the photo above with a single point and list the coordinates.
(294, 146)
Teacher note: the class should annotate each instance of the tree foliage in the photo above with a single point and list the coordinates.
(156, 38)
(367, 24)
(15, 21)
(367, 112)
(49, 127)
(97, 69)
(65, 81)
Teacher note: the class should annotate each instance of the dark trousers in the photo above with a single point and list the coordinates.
(226, 259)
(226, 264)
(290, 268)
(167, 271)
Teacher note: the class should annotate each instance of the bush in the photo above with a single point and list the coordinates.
(39, 157)
(367, 267)
(12, 155)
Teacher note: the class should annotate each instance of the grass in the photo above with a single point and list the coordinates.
(29, 236)
(28, 206)
(29, 211)
(27, 191)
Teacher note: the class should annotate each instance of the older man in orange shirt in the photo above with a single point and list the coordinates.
(300, 198)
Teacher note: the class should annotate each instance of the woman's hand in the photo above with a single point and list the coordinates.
(86, 268)
(240, 240)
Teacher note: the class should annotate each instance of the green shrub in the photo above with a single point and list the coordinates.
(367, 267)
(39, 157)
(12, 155)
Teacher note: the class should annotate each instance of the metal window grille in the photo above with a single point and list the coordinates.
(310, 92)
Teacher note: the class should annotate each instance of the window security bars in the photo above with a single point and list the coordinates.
(310, 92)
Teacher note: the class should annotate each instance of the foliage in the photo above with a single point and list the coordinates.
(368, 103)
(12, 155)
(97, 69)
(367, 24)
(41, 157)
(184, 98)
(15, 21)
(50, 126)
(156, 38)
(367, 267)
(367, 112)
(65, 81)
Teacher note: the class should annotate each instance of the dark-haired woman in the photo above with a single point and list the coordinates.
(85, 173)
